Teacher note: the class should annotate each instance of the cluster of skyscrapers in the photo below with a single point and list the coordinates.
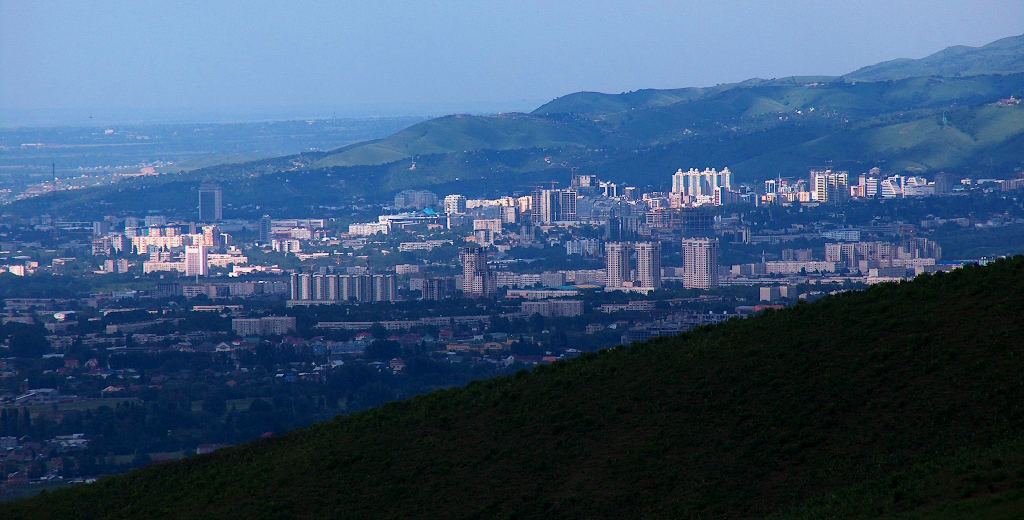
(697, 187)
(700, 264)
(619, 272)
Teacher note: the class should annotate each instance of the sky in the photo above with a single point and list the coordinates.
(62, 62)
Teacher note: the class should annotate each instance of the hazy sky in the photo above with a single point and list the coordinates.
(238, 60)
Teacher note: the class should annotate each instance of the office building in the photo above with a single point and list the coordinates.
(700, 263)
(210, 203)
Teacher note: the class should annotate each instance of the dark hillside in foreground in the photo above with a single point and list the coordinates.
(901, 400)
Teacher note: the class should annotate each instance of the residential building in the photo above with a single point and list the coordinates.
(455, 204)
(196, 261)
(553, 308)
(617, 271)
(648, 264)
(700, 263)
(265, 326)
(477, 279)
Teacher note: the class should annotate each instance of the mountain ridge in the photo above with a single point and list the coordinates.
(1005, 55)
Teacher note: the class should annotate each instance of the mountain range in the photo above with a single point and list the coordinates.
(938, 113)
(901, 401)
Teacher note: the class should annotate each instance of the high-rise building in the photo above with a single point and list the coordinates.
(943, 183)
(385, 288)
(549, 206)
(827, 185)
(196, 262)
(295, 282)
(648, 264)
(438, 288)
(210, 203)
(345, 288)
(616, 255)
(678, 181)
(266, 229)
(700, 263)
(567, 205)
(696, 183)
(211, 236)
(477, 279)
(417, 199)
(454, 204)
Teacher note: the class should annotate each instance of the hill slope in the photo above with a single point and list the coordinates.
(901, 400)
(1004, 56)
(657, 119)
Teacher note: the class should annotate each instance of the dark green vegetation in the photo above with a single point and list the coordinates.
(904, 401)
(940, 113)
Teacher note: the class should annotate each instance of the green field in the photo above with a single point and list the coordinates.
(91, 403)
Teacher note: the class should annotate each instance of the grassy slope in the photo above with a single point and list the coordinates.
(999, 57)
(598, 103)
(789, 413)
(461, 133)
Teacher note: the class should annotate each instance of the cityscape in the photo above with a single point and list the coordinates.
(452, 284)
(481, 292)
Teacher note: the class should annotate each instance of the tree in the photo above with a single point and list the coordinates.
(29, 342)
(383, 350)
(215, 405)
(378, 331)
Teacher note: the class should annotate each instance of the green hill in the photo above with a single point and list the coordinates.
(837, 112)
(595, 103)
(1005, 56)
(464, 132)
(903, 401)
